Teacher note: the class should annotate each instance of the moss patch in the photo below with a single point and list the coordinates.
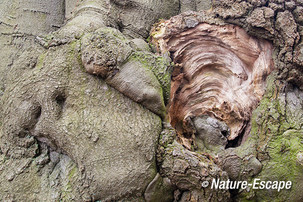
(159, 66)
(278, 143)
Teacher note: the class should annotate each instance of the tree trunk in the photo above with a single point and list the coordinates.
(86, 102)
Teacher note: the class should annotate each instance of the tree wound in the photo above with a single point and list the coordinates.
(220, 72)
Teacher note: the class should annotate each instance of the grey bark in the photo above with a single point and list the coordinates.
(68, 135)
(65, 134)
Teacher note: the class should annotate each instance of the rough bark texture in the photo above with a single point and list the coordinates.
(276, 124)
(123, 70)
(50, 104)
(187, 170)
(69, 135)
(64, 132)
(272, 151)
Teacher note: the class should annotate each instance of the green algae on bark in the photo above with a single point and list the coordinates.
(278, 135)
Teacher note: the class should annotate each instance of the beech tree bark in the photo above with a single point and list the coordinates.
(85, 99)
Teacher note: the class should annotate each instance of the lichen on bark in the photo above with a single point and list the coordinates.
(69, 135)
(277, 130)
(272, 150)
(51, 100)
